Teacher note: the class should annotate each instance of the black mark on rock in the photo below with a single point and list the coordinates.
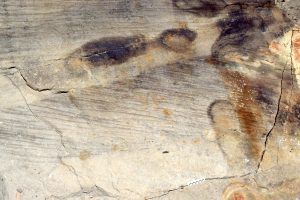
(117, 50)
(205, 8)
(114, 50)
(248, 30)
(237, 23)
(221, 103)
(178, 40)
(249, 26)
(239, 33)
(264, 95)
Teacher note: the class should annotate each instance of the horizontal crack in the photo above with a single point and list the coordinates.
(33, 87)
(197, 182)
(95, 190)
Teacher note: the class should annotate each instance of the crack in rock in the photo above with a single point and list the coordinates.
(94, 191)
(274, 124)
(38, 117)
(279, 99)
(199, 181)
(72, 170)
(33, 87)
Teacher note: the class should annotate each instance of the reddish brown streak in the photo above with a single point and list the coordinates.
(246, 108)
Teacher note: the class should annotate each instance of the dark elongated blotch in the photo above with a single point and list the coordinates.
(113, 50)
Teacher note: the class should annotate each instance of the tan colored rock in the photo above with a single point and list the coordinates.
(135, 100)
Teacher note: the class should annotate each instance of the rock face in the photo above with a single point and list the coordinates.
(138, 99)
(291, 8)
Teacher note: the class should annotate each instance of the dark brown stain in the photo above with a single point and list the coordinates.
(250, 27)
(238, 22)
(117, 50)
(178, 40)
(213, 61)
(241, 33)
(114, 50)
(248, 31)
(249, 114)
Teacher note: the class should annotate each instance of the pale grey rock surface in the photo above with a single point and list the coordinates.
(85, 117)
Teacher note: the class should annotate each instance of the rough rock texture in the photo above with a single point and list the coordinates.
(138, 99)
(292, 9)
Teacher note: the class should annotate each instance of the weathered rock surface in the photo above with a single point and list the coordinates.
(137, 99)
